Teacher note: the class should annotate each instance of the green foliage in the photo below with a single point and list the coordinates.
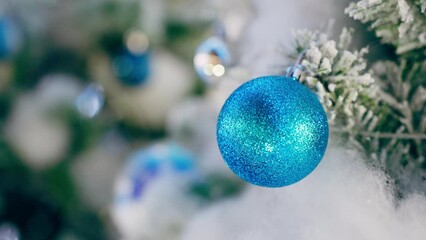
(381, 110)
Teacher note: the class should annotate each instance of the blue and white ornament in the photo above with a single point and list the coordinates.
(151, 199)
(132, 65)
(10, 38)
(211, 59)
(272, 131)
(146, 165)
(90, 101)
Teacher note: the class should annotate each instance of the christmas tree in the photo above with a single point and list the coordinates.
(109, 110)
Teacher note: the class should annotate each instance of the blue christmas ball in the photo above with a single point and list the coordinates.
(10, 38)
(149, 164)
(272, 131)
(131, 65)
(132, 68)
(211, 59)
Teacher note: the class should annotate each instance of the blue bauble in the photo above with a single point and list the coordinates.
(150, 164)
(211, 59)
(272, 131)
(131, 68)
(10, 38)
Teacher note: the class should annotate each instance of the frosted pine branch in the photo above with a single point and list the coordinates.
(401, 23)
(381, 111)
(339, 77)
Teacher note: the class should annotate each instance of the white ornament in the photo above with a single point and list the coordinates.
(147, 105)
(94, 174)
(152, 195)
(38, 138)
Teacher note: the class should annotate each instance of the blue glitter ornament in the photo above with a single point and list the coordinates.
(272, 131)
(149, 164)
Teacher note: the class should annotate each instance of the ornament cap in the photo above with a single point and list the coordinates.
(296, 70)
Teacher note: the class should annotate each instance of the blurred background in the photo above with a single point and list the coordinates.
(101, 107)
(108, 108)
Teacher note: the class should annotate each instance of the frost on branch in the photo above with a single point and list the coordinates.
(381, 111)
(340, 78)
(401, 23)
(403, 94)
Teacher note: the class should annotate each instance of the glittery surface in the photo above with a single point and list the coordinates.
(272, 131)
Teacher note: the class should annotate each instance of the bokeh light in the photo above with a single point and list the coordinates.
(211, 59)
(137, 42)
(90, 101)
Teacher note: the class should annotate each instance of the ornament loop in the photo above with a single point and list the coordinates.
(219, 30)
(296, 70)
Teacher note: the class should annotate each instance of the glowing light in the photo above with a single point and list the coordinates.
(211, 59)
(208, 69)
(269, 147)
(218, 70)
(137, 42)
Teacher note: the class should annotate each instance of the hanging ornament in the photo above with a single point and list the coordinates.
(132, 65)
(94, 171)
(148, 164)
(212, 57)
(155, 179)
(272, 131)
(34, 130)
(90, 101)
(10, 38)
